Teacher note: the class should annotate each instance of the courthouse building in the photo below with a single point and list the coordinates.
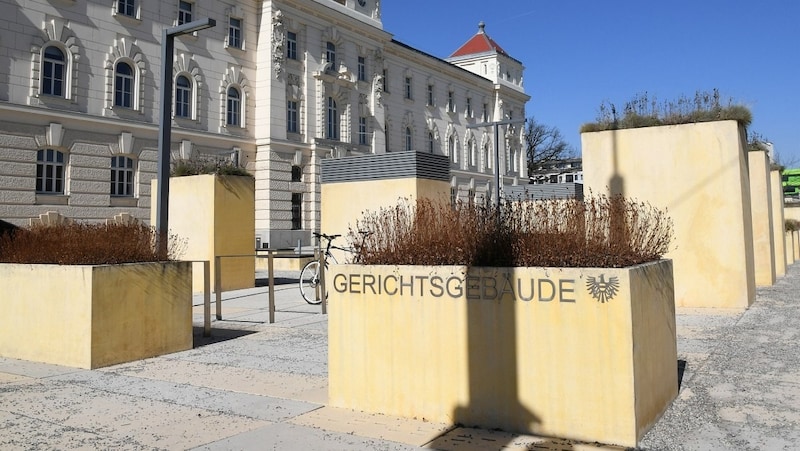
(275, 87)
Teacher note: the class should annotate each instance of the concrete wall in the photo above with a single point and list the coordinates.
(214, 216)
(761, 209)
(778, 222)
(551, 351)
(698, 172)
(94, 316)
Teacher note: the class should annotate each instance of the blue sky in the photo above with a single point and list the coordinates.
(579, 53)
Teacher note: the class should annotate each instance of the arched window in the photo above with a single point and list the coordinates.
(472, 152)
(50, 171)
(409, 139)
(123, 85)
(332, 129)
(54, 67)
(431, 142)
(451, 148)
(183, 97)
(330, 54)
(121, 176)
(234, 110)
(489, 155)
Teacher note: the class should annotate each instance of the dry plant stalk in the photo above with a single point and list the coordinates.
(597, 232)
(85, 244)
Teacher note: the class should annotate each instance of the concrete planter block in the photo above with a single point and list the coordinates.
(699, 174)
(90, 316)
(216, 216)
(581, 353)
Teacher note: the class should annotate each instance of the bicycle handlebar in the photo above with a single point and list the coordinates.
(327, 237)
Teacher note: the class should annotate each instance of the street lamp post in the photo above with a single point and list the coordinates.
(495, 125)
(165, 125)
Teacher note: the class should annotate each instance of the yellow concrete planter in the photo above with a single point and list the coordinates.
(93, 316)
(215, 215)
(582, 353)
(699, 173)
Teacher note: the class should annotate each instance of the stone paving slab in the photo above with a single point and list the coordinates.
(384, 427)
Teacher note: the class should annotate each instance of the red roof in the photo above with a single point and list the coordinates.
(480, 43)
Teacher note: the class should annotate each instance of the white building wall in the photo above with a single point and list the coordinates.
(94, 130)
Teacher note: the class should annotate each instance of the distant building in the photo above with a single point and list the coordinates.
(275, 87)
(558, 171)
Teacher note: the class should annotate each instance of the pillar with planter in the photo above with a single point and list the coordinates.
(698, 172)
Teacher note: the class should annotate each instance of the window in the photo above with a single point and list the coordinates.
(471, 197)
(297, 174)
(569, 178)
(451, 103)
(408, 88)
(53, 68)
(235, 33)
(234, 115)
(385, 80)
(472, 152)
(330, 54)
(123, 85)
(468, 111)
(332, 129)
(409, 140)
(362, 68)
(183, 97)
(431, 142)
(291, 116)
(485, 116)
(430, 95)
(451, 148)
(126, 8)
(50, 171)
(453, 195)
(362, 131)
(291, 45)
(297, 211)
(121, 176)
(184, 12)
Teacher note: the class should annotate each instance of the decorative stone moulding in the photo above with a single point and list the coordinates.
(581, 353)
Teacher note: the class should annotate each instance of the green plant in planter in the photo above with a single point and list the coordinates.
(183, 168)
(599, 231)
(792, 225)
(85, 244)
(645, 111)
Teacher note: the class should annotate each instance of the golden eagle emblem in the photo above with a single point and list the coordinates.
(600, 289)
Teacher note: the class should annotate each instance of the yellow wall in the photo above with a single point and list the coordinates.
(699, 174)
(94, 316)
(789, 237)
(344, 203)
(761, 208)
(215, 215)
(778, 222)
(792, 211)
(562, 364)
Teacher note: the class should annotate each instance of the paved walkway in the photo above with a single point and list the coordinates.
(255, 385)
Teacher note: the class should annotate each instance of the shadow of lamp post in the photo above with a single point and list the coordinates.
(165, 125)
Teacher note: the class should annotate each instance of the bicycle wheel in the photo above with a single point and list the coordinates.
(309, 279)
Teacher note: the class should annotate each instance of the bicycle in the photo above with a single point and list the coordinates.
(309, 276)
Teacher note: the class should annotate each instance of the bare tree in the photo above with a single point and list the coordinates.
(544, 143)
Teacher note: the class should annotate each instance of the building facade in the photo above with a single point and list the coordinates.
(275, 87)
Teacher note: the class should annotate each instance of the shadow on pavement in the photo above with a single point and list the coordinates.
(217, 335)
(264, 282)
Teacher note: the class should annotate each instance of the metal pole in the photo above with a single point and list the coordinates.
(270, 268)
(496, 165)
(164, 137)
(206, 298)
(322, 293)
(218, 286)
(165, 126)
